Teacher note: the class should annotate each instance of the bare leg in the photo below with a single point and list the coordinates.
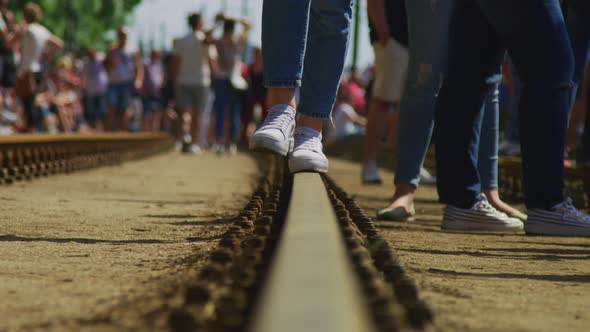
(494, 198)
(282, 96)
(404, 196)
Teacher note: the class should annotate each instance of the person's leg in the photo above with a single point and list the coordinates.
(219, 108)
(284, 42)
(475, 54)
(28, 107)
(114, 99)
(327, 43)
(543, 58)
(488, 151)
(579, 32)
(200, 103)
(391, 62)
(428, 36)
(235, 109)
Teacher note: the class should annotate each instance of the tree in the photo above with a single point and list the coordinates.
(82, 22)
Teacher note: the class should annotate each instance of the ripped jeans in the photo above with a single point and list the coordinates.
(428, 23)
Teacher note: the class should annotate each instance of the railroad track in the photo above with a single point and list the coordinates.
(25, 157)
(300, 256)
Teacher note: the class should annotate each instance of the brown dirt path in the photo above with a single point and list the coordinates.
(483, 281)
(100, 250)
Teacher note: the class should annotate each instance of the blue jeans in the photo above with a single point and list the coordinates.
(227, 100)
(304, 44)
(512, 133)
(428, 32)
(578, 26)
(480, 30)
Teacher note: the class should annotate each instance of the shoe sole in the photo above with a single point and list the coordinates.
(300, 166)
(268, 146)
(473, 226)
(545, 229)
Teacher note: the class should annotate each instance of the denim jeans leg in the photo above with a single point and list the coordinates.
(487, 161)
(219, 106)
(284, 38)
(327, 43)
(475, 54)
(235, 110)
(428, 42)
(513, 126)
(578, 27)
(544, 60)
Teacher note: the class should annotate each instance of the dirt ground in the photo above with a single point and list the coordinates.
(103, 249)
(483, 281)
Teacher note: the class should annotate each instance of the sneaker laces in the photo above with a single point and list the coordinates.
(484, 205)
(568, 208)
(279, 119)
(307, 141)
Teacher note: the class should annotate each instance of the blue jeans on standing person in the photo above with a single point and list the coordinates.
(428, 35)
(578, 25)
(535, 35)
(309, 40)
(227, 101)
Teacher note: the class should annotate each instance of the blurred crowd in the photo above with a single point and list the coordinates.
(207, 90)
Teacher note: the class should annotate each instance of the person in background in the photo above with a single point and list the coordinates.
(191, 71)
(256, 94)
(153, 83)
(7, 56)
(389, 35)
(34, 39)
(228, 81)
(94, 87)
(347, 122)
(125, 72)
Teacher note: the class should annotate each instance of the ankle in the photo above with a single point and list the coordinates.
(313, 123)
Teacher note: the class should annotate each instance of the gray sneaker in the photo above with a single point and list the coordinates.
(482, 216)
(562, 220)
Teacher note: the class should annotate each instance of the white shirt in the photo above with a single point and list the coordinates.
(33, 43)
(194, 59)
(343, 126)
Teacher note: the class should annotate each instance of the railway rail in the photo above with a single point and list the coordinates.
(300, 256)
(25, 157)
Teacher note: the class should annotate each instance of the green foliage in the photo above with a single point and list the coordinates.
(82, 23)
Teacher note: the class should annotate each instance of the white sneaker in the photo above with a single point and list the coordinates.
(508, 148)
(480, 217)
(196, 149)
(233, 149)
(370, 173)
(276, 133)
(218, 148)
(307, 154)
(426, 178)
(562, 220)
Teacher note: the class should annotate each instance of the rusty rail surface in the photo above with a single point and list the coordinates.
(24, 157)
